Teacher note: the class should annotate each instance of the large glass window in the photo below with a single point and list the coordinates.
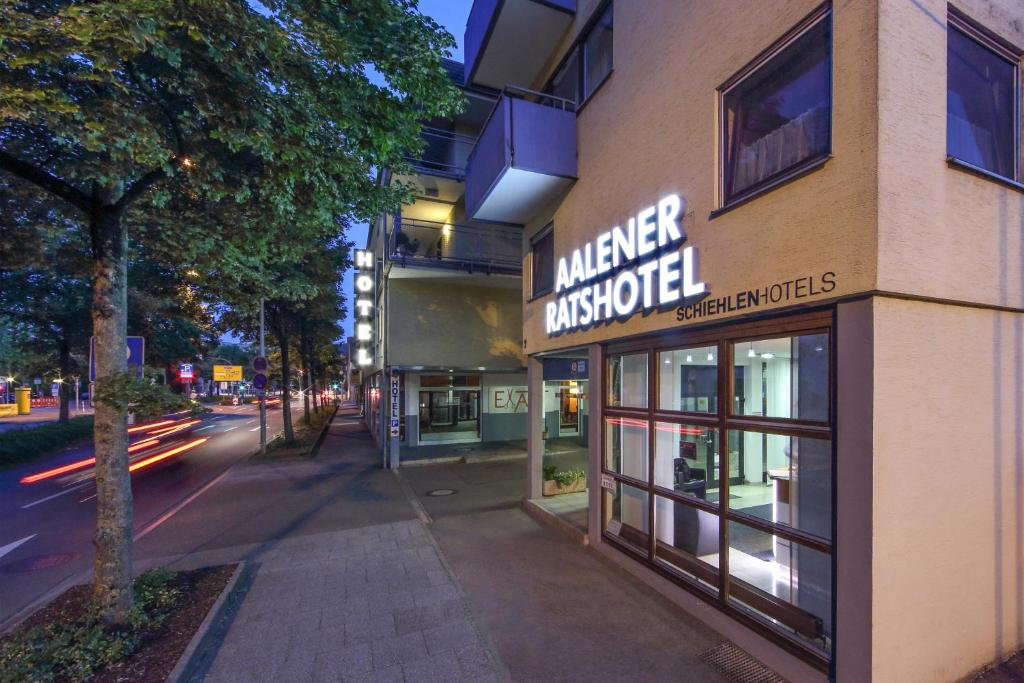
(981, 102)
(626, 447)
(782, 377)
(597, 54)
(627, 381)
(686, 460)
(688, 380)
(777, 118)
(750, 470)
(542, 250)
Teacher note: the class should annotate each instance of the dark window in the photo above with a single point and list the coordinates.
(543, 250)
(777, 118)
(981, 103)
(566, 81)
(597, 54)
(587, 65)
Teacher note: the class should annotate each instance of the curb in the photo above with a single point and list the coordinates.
(323, 433)
(553, 521)
(202, 639)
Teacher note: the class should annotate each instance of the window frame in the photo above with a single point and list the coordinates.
(727, 588)
(578, 47)
(546, 232)
(957, 21)
(822, 14)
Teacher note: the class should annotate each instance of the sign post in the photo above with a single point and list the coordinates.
(394, 415)
(259, 364)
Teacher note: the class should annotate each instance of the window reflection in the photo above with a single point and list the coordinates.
(625, 515)
(626, 447)
(627, 381)
(779, 116)
(688, 379)
(981, 106)
(784, 377)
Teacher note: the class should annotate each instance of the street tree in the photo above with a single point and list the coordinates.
(122, 108)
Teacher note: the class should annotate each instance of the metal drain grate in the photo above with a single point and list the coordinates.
(738, 666)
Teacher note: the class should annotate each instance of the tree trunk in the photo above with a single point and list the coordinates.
(286, 398)
(65, 369)
(112, 581)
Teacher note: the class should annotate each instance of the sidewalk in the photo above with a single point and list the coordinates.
(357, 575)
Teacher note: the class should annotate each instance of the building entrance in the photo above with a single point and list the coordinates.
(449, 409)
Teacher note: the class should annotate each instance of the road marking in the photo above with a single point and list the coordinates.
(178, 508)
(206, 427)
(230, 428)
(87, 498)
(56, 495)
(4, 549)
(255, 429)
(249, 422)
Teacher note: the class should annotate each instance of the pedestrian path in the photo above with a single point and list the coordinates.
(368, 604)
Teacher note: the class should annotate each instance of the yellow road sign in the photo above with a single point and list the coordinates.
(227, 373)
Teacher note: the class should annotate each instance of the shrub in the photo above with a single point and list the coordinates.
(77, 650)
(23, 445)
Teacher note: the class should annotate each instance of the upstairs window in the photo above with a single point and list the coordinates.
(543, 262)
(982, 101)
(588, 64)
(566, 81)
(597, 54)
(777, 114)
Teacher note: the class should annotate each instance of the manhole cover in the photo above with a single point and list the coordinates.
(437, 493)
(39, 562)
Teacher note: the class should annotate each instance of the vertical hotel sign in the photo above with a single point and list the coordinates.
(395, 394)
(364, 306)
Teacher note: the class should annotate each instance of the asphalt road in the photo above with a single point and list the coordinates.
(46, 526)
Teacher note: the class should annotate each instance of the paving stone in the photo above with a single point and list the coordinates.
(450, 636)
(440, 668)
(345, 661)
(473, 660)
(403, 649)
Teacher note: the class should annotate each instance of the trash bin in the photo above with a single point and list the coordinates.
(23, 399)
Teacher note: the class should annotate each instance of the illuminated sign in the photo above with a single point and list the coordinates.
(364, 306)
(623, 271)
(227, 373)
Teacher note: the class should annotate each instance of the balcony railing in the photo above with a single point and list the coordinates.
(525, 156)
(445, 153)
(491, 249)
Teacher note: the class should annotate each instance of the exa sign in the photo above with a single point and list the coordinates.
(364, 306)
(623, 271)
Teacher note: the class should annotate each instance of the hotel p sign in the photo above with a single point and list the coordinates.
(364, 306)
(622, 271)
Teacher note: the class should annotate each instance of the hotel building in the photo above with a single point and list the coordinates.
(773, 278)
(439, 335)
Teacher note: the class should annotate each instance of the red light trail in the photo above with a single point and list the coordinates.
(153, 459)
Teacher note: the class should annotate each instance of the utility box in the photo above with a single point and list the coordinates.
(23, 399)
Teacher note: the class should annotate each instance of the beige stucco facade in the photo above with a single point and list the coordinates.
(928, 262)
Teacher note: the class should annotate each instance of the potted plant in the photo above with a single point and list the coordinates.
(566, 481)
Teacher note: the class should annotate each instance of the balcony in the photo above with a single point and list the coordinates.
(444, 154)
(510, 41)
(489, 250)
(523, 159)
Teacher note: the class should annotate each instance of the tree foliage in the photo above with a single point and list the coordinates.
(225, 134)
